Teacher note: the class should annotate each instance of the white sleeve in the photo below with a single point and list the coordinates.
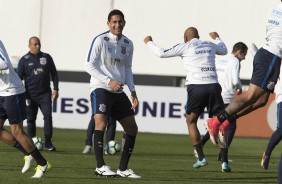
(128, 72)
(3, 59)
(176, 50)
(220, 47)
(3, 63)
(235, 75)
(93, 63)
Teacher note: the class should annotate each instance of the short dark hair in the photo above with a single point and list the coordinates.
(240, 46)
(115, 12)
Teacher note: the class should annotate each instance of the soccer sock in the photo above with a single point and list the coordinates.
(223, 116)
(224, 154)
(199, 149)
(20, 148)
(128, 142)
(98, 147)
(273, 141)
(40, 160)
(205, 138)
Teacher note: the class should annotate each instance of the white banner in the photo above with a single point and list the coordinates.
(161, 109)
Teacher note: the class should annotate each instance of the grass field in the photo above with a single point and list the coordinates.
(164, 159)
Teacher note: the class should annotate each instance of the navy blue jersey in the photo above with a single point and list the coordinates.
(36, 72)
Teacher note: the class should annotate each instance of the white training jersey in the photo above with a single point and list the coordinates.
(110, 58)
(274, 31)
(198, 58)
(228, 69)
(10, 83)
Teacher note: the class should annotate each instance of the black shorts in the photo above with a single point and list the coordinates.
(13, 108)
(116, 105)
(266, 70)
(201, 96)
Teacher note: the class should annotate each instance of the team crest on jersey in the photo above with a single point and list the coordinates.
(270, 85)
(110, 49)
(126, 41)
(123, 50)
(106, 39)
(102, 107)
(43, 61)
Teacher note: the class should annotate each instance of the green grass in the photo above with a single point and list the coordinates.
(158, 158)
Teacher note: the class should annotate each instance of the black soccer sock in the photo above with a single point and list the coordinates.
(199, 149)
(232, 118)
(224, 154)
(20, 148)
(40, 160)
(98, 147)
(273, 141)
(128, 142)
(223, 116)
(205, 138)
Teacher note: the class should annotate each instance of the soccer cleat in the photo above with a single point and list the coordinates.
(225, 167)
(49, 146)
(40, 170)
(128, 173)
(105, 171)
(212, 124)
(264, 161)
(199, 163)
(222, 134)
(27, 163)
(87, 149)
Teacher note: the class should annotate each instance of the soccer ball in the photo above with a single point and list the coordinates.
(112, 147)
(38, 142)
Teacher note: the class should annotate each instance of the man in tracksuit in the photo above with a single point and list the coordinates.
(35, 68)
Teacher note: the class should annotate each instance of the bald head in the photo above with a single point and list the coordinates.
(190, 33)
(34, 45)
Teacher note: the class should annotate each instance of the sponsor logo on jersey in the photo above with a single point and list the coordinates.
(270, 85)
(126, 41)
(30, 64)
(106, 39)
(203, 51)
(102, 107)
(123, 50)
(273, 22)
(206, 69)
(43, 61)
(37, 71)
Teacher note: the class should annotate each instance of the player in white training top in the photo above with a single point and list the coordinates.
(203, 89)
(13, 108)
(266, 71)
(228, 72)
(109, 63)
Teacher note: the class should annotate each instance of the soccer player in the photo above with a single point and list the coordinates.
(228, 73)
(203, 89)
(35, 68)
(277, 134)
(109, 63)
(266, 71)
(13, 108)
(110, 133)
